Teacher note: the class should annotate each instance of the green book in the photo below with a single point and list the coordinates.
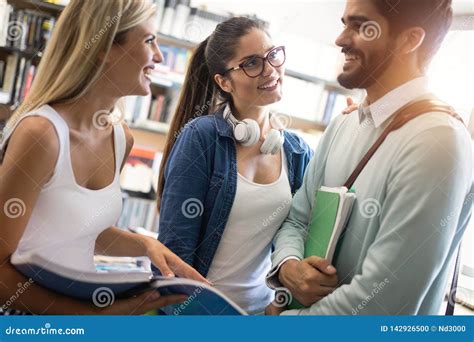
(331, 210)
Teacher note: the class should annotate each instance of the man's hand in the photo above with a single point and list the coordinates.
(351, 106)
(308, 280)
(274, 310)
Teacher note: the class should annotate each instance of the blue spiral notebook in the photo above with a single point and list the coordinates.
(92, 286)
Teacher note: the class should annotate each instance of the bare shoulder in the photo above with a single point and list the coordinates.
(33, 146)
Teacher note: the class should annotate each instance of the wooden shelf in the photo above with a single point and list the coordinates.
(152, 126)
(27, 53)
(180, 43)
(167, 80)
(53, 9)
(147, 138)
(331, 85)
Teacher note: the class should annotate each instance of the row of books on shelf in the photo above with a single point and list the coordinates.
(178, 19)
(138, 212)
(158, 109)
(16, 76)
(24, 29)
(303, 99)
(140, 172)
(175, 60)
(139, 180)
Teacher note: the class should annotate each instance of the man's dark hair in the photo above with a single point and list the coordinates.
(434, 16)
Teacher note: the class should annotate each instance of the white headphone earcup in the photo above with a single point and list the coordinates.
(252, 132)
(273, 142)
(241, 132)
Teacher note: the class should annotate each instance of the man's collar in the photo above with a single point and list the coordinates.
(387, 105)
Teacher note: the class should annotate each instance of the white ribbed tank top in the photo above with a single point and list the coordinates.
(67, 217)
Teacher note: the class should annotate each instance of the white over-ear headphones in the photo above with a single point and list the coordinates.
(247, 133)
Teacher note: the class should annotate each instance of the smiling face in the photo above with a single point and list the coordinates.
(129, 64)
(366, 43)
(246, 91)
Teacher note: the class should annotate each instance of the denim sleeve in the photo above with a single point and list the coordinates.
(182, 204)
(308, 156)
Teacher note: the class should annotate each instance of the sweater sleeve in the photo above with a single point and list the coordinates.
(289, 240)
(425, 206)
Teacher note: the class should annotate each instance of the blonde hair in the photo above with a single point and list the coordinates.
(71, 64)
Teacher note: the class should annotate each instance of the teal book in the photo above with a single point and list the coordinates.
(331, 210)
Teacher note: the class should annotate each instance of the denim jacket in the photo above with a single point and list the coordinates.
(200, 186)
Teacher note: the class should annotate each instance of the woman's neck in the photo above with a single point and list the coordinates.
(83, 114)
(258, 113)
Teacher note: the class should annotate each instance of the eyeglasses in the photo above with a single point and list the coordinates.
(255, 65)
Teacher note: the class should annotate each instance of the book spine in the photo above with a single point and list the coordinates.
(2, 73)
(29, 79)
(9, 79)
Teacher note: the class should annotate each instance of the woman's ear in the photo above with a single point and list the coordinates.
(224, 83)
(109, 58)
(103, 58)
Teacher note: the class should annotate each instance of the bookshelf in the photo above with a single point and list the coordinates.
(181, 43)
(169, 81)
(43, 6)
(150, 122)
(29, 53)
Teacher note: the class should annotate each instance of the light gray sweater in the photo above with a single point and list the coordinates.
(414, 201)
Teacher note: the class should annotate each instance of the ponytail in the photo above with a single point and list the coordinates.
(196, 99)
(200, 94)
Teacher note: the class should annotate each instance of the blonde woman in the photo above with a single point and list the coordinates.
(61, 165)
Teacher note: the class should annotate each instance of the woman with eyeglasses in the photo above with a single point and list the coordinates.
(227, 177)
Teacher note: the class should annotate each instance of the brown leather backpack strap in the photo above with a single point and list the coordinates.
(401, 117)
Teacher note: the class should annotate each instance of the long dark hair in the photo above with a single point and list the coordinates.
(200, 94)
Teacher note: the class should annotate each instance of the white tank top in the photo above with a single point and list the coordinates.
(67, 217)
(242, 259)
